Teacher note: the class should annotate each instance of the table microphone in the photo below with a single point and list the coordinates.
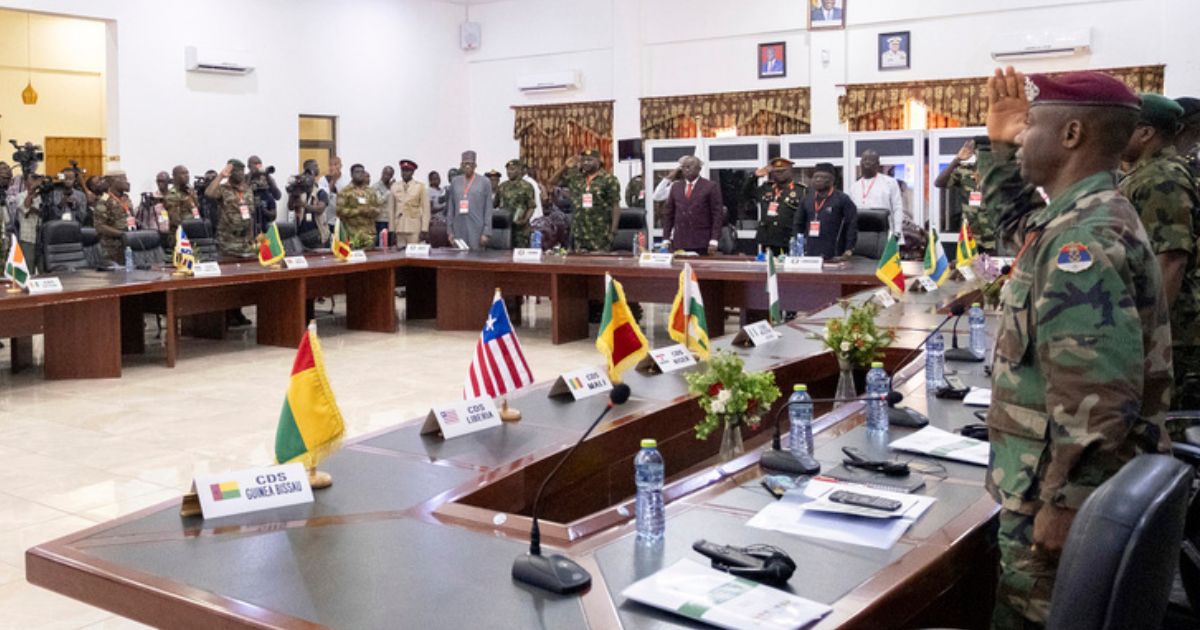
(788, 462)
(954, 353)
(558, 573)
(903, 416)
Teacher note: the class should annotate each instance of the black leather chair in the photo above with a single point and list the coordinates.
(63, 242)
(501, 230)
(147, 248)
(872, 232)
(631, 223)
(203, 243)
(291, 240)
(91, 248)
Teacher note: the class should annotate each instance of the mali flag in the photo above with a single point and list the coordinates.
(620, 340)
(889, 270)
(936, 265)
(687, 324)
(967, 250)
(15, 268)
(341, 241)
(310, 424)
(270, 246)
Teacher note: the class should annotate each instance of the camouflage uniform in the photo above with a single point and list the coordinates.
(1164, 193)
(180, 207)
(516, 196)
(963, 182)
(1082, 371)
(591, 228)
(114, 213)
(358, 208)
(775, 230)
(234, 228)
(635, 192)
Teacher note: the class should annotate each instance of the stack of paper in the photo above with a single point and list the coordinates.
(939, 443)
(702, 593)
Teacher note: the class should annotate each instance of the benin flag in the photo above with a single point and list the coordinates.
(686, 323)
(15, 268)
(341, 241)
(620, 338)
(889, 270)
(310, 424)
(967, 251)
(270, 246)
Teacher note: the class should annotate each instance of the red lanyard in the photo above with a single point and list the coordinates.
(791, 186)
(867, 192)
(589, 181)
(820, 203)
(470, 182)
(124, 203)
(1029, 238)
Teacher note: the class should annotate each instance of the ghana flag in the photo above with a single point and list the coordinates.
(270, 246)
(620, 340)
(310, 424)
(889, 270)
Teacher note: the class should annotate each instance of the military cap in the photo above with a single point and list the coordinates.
(1191, 106)
(1160, 111)
(824, 167)
(1079, 88)
(236, 163)
(780, 162)
(895, 40)
(468, 156)
(590, 153)
(514, 162)
(408, 165)
(492, 173)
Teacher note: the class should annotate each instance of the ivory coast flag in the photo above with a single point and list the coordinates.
(620, 339)
(310, 424)
(967, 251)
(686, 324)
(270, 246)
(15, 268)
(774, 309)
(889, 270)
(341, 241)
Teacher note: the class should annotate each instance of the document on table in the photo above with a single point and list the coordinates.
(707, 595)
(939, 443)
(978, 397)
(807, 511)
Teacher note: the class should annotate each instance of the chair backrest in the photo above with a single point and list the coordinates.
(63, 243)
(291, 240)
(872, 232)
(203, 244)
(501, 229)
(91, 248)
(146, 246)
(1119, 562)
(632, 221)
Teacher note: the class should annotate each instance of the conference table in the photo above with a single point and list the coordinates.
(419, 531)
(99, 315)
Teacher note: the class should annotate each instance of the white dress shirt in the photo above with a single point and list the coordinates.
(880, 192)
(537, 197)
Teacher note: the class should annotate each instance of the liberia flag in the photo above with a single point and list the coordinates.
(499, 366)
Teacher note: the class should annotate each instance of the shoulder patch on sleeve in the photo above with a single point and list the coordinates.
(1074, 257)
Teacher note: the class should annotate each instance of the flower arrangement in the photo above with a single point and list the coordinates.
(728, 394)
(856, 338)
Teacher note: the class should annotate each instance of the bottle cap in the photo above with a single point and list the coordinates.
(649, 443)
(877, 364)
(800, 388)
(975, 305)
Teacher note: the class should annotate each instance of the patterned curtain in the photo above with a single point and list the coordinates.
(950, 103)
(549, 134)
(757, 113)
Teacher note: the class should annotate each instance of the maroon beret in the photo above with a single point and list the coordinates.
(1080, 88)
(408, 165)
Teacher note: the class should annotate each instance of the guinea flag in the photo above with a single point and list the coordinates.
(270, 246)
(310, 424)
(620, 340)
(889, 270)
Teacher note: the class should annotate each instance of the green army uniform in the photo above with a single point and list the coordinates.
(516, 196)
(112, 212)
(635, 192)
(963, 182)
(180, 207)
(234, 229)
(591, 228)
(358, 208)
(1082, 373)
(775, 229)
(1164, 193)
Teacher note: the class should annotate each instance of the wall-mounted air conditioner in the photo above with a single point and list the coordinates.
(216, 61)
(548, 82)
(1042, 44)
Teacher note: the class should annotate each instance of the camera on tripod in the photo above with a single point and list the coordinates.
(27, 155)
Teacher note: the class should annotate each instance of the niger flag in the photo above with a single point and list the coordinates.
(310, 424)
(620, 340)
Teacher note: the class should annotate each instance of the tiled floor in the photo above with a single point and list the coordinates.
(81, 452)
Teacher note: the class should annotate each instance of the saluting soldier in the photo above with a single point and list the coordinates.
(1082, 373)
(410, 222)
(961, 179)
(180, 200)
(596, 198)
(235, 200)
(358, 206)
(114, 216)
(778, 200)
(517, 196)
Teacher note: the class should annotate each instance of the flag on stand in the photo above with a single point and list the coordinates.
(310, 424)
(774, 309)
(270, 246)
(687, 324)
(499, 365)
(967, 251)
(621, 340)
(183, 257)
(936, 265)
(889, 270)
(341, 241)
(15, 268)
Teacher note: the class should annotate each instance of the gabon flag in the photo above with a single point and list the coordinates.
(621, 340)
(687, 324)
(341, 241)
(889, 270)
(310, 424)
(270, 246)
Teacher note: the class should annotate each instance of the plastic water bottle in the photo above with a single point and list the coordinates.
(978, 330)
(800, 415)
(797, 245)
(128, 258)
(535, 239)
(637, 245)
(648, 472)
(935, 362)
(877, 386)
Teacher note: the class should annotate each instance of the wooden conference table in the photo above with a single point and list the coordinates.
(99, 315)
(421, 532)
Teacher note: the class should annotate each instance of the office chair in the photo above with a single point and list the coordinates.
(292, 245)
(63, 242)
(501, 229)
(631, 222)
(91, 248)
(872, 233)
(1187, 450)
(203, 243)
(147, 248)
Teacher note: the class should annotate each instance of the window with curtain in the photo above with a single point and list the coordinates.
(550, 134)
(755, 113)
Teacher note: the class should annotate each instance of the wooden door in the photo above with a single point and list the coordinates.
(88, 152)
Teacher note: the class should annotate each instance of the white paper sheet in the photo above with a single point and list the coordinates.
(940, 443)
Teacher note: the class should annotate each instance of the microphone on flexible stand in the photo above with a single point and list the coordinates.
(783, 461)
(911, 418)
(558, 573)
(962, 355)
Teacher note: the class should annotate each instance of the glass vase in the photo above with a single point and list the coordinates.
(845, 385)
(731, 439)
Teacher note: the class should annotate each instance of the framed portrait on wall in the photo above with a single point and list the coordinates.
(894, 51)
(772, 60)
(826, 14)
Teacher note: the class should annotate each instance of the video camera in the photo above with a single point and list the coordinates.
(28, 155)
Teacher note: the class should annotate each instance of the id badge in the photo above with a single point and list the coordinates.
(641, 194)
(976, 199)
(772, 209)
(814, 228)
(195, 212)
(245, 211)
(587, 200)
(362, 201)
(464, 206)
(130, 222)
(66, 216)
(162, 217)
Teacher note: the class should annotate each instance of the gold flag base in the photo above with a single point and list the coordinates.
(190, 505)
(14, 289)
(181, 273)
(319, 479)
(509, 414)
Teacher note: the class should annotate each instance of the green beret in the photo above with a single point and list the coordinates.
(1160, 112)
(236, 163)
(514, 162)
(590, 153)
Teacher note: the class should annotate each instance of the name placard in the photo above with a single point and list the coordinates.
(672, 358)
(38, 286)
(417, 250)
(461, 244)
(357, 255)
(656, 259)
(239, 492)
(756, 334)
(527, 255)
(206, 270)
(927, 283)
(461, 418)
(885, 298)
(967, 272)
(581, 384)
(803, 263)
(295, 262)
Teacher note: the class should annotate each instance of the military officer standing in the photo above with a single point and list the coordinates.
(114, 216)
(596, 197)
(469, 205)
(960, 179)
(517, 196)
(387, 203)
(1162, 189)
(180, 200)
(778, 200)
(410, 222)
(357, 206)
(1082, 370)
(235, 210)
(635, 192)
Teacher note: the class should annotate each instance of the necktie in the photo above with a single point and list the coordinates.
(688, 193)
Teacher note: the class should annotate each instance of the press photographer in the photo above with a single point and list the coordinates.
(266, 193)
(65, 200)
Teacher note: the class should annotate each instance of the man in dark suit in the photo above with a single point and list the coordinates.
(828, 12)
(827, 218)
(694, 214)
